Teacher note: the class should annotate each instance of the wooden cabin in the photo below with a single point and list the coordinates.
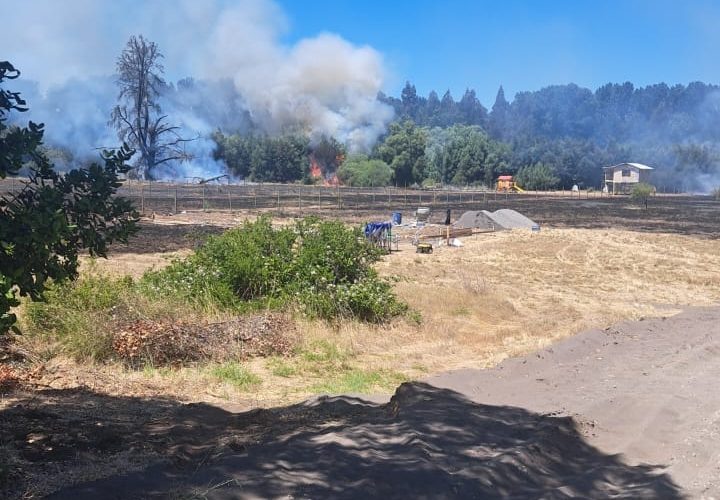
(621, 178)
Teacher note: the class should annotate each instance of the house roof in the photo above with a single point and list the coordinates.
(639, 166)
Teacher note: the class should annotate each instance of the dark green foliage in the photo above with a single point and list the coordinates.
(262, 158)
(538, 177)
(322, 267)
(576, 131)
(54, 216)
(464, 155)
(404, 150)
(358, 170)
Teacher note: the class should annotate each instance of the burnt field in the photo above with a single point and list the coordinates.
(666, 213)
(681, 214)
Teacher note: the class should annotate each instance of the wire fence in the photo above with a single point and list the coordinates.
(165, 197)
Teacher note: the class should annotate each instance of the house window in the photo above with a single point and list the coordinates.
(626, 172)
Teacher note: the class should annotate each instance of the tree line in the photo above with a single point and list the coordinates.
(558, 136)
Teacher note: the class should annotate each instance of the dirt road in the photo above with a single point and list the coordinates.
(629, 412)
(647, 389)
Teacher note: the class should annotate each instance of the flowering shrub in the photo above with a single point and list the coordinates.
(320, 266)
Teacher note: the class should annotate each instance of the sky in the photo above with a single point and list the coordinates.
(437, 45)
(523, 45)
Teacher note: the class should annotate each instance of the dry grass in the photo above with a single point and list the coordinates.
(507, 293)
(500, 295)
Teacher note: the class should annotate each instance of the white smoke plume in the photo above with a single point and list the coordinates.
(243, 71)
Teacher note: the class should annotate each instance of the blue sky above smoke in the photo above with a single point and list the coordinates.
(450, 44)
(524, 45)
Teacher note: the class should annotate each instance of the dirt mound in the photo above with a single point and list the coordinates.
(425, 443)
(169, 343)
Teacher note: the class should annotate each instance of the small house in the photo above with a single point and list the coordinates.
(623, 177)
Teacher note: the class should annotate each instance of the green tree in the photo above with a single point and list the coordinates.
(499, 115)
(410, 102)
(404, 150)
(538, 176)
(54, 216)
(359, 171)
(642, 192)
(463, 155)
(470, 111)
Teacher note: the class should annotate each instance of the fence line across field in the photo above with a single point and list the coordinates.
(163, 197)
(174, 198)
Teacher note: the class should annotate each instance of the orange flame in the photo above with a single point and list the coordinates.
(316, 173)
(315, 170)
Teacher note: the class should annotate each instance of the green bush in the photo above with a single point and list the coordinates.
(641, 192)
(232, 270)
(360, 171)
(539, 176)
(322, 267)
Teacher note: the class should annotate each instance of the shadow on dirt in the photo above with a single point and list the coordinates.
(425, 443)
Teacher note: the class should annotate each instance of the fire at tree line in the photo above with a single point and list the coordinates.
(556, 137)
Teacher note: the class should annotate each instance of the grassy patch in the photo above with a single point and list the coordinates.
(361, 381)
(281, 367)
(79, 318)
(322, 366)
(236, 375)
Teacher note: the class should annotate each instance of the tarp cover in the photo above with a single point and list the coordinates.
(376, 228)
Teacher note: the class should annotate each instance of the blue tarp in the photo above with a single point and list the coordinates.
(375, 229)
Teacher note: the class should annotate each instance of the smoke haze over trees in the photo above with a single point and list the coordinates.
(574, 132)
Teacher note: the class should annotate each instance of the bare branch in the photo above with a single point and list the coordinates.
(139, 118)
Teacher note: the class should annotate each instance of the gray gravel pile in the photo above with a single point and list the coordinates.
(481, 219)
(511, 219)
(504, 218)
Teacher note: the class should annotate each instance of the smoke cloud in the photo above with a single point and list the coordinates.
(243, 76)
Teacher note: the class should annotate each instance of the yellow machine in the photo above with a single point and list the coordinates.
(506, 183)
(424, 248)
